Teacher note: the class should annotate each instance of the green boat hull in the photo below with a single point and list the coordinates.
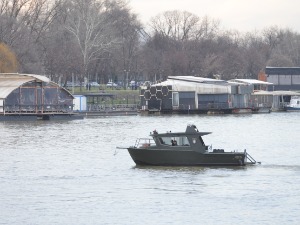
(160, 157)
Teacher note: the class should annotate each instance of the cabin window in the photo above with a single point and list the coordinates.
(175, 99)
(201, 140)
(175, 141)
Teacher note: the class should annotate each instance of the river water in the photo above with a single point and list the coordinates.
(70, 172)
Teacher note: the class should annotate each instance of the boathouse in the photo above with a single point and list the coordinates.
(189, 94)
(261, 99)
(283, 78)
(32, 97)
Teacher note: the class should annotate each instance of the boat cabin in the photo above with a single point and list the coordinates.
(295, 101)
(191, 139)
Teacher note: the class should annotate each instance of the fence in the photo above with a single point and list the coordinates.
(38, 108)
(111, 107)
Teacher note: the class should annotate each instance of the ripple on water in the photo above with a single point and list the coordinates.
(71, 173)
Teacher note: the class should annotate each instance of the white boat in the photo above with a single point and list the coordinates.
(294, 104)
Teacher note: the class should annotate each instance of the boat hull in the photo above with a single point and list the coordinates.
(289, 108)
(143, 156)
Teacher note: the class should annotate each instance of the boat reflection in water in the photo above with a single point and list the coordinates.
(183, 149)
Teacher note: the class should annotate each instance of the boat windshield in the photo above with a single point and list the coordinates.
(175, 141)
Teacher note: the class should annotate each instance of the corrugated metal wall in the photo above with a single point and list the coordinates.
(187, 100)
(215, 101)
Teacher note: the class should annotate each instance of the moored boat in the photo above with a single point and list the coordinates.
(184, 149)
(294, 104)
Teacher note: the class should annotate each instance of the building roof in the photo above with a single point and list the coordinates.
(11, 81)
(250, 81)
(196, 79)
(285, 93)
(282, 70)
(275, 93)
(190, 81)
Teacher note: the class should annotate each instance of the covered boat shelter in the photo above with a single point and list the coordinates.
(281, 99)
(190, 94)
(32, 97)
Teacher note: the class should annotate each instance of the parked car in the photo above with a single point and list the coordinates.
(70, 84)
(132, 83)
(94, 84)
(111, 84)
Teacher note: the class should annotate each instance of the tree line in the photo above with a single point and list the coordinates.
(102, 40)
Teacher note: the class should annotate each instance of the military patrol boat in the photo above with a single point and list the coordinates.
(183, 149)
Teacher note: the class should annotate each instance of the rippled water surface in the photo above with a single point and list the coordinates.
(71, 173)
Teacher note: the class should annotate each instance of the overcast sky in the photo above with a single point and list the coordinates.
(241, 15)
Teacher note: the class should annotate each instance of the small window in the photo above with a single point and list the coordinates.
(201, 140)
(175, 101)
(175, 141)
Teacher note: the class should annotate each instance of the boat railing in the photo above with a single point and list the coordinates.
(144, 143)
(250, 158)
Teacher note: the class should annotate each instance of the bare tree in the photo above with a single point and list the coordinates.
(182, 26)
(280, 61)
(272, 37)
(177, 25)
(101, 38)
(127, 28)
(207, 28)
(61, 55)
(22, 24)
(88, 23)
(288, 50)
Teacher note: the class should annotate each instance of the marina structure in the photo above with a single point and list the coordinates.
(261, 100)
(101, 104)
(276, 101)
(294, 104)
(32, 97)
(282, 78)
(189, 94)
(265, 100)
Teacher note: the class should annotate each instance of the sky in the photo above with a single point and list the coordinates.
(241, 15)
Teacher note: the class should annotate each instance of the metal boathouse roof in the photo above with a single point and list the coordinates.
(11, 81)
